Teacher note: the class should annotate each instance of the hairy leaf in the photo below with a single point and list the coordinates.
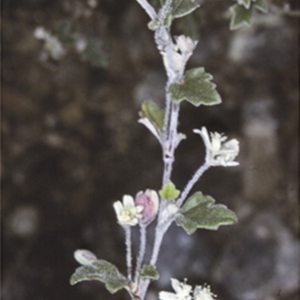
(149, 272)
(199, 211)
(181, 8)
(240, 16)
(103, 271)
(261, 5)
(153, 113)
(245, 3)
(169, 191)
(196, 87)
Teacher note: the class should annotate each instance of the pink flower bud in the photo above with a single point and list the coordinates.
(149, 200)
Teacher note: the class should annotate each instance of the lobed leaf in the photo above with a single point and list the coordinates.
(199, 211)
(240, 16)
(245, 3)
(169, 191)
(149, 272)
(261, 5)
(195, 88)
(103, 271)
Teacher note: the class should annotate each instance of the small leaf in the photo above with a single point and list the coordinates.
(245, 3)
(103, 271)
(152, 25)
(240, 16)
(261, 5)
(149, 272)
(152, 112)
(195, 88)
(169, 191)
(94, 54)
(181, 8)
(199, 211)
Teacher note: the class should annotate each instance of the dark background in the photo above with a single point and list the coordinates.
(72, 146)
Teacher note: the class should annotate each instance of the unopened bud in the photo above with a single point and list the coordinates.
(85, 257)
(185, 44)
(149, 200)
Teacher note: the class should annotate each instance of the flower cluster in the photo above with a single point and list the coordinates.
(177, 55)
(183, 291)
(143, 210)
(218, 151)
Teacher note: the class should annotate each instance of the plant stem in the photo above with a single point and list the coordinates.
(148, 8)
(170, 145)
(128, 251)
(191, 183)
(159, 234)
(143, 239)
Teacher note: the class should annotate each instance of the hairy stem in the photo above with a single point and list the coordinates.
(159, 234)
(128, 251)
(170, 144)
(148, 8)
(191, 183)
(143, 239)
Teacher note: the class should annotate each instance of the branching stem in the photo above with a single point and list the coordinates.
(191, 183)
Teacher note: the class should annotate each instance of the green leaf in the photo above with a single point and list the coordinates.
(240, 16)
(152, 25)
(152, 112)
(149, 272)
(103, 271)
(195, 88)
(261, 5)
(181, 8)
(94, 54)
(199, 211)
(169, 191)
(245, 3)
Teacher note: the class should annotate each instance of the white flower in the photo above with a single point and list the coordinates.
(203, 293)
(219, 152)
(182, 291)
(52, 43)
(185, 44)
(128, 213)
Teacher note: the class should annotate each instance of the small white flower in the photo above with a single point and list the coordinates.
(219, 152)
(185, 44)
(52, 43)
(128, 213)
(203, 293)
(182, 291)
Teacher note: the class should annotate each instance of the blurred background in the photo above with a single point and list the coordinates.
(74, 74)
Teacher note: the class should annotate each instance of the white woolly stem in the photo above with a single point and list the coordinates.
(128, 251)
(148, 8)
(191, 183)
(143, 240)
